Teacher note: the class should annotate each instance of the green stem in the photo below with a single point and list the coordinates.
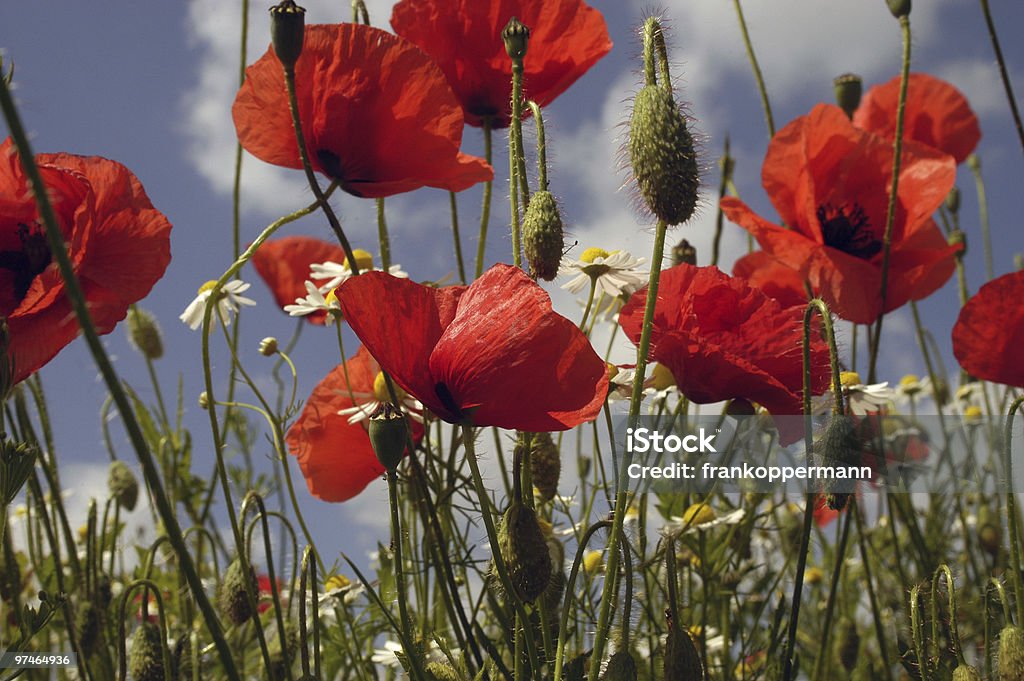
(563, 624)
(485, 210)
(890, 213)
(986, 233)
(1002, 71)
(756, 68)
(396, 548)
(723, 186)
(833, 591)
(382, 237)
(80, 306)
(1011, 510)
(454, 206)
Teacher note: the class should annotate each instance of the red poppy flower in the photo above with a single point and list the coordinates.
(284, 265)
(334, 452)
(723, 339)
(377, 114)
(830, 181)
(567, 37)
(119, 247)
(990, 332)
(936, 114)
(782, 283)
(492, 354)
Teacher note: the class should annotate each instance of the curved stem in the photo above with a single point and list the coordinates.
(1002, 71)
(563, 624)
(756, 68)
(542, 147)
(1011, 510)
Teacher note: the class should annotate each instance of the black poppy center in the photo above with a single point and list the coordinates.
(448, 400)
(847, 229)
(27, 262)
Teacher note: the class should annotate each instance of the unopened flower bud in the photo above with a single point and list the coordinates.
(144, 333)
(621, 667)
(87, 626)
(123, 485)
(990, 530)
(268, 346)
(545, 464)
(847, 644)
(839, 445)
(232, 598)
(442, 671)
(1011, 653)
(848, 88)
(958, 238)
(662, 155)
(388, 435)
(516, 36)
(17, 459)
(204, 400)
(181, 659)
(146, 661)
(899, 8)
(543, 240)
(525, 551)
(682, 661)
(684, 252)
(287, 30)
(966, 672)
(953, 200)
(974, 163)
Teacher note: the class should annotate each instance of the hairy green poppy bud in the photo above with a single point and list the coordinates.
(441, 671)
(146, 662)
(1011, 653)
(847, 644)
(545, 464)
(388, 434)
(682, 661)
(268, 346)
(899, 8)
(525, 551)
(181, 659)
(232, 598)
(123, 485)
(577, 668)
(661, 152)
(144, 333)
(848, 88)
(516, 36)
(966, 672)
(839, 445)
(684, 252)
(621, 667)
(87, 625)
(287, 31)
(543, 240)
(17, 460)
(280, 659)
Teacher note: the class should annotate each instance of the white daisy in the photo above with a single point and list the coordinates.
(316, 302)
(337, 274)
(231, 299)
(615, 272)
(620, 382)
(701, 516)
(859, 398)
(364, 404)
(388, 655)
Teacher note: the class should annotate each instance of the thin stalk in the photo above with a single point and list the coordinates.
(396, 548)
(1011, 510)
(986, 233)
(485, 209)
(756, 68)
(454, 206)
(382, 237)
(833, 591)
(1003, 74)
(570, 585)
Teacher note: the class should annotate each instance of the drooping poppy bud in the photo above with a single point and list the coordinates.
(232, 598)
(525, 551)
(146, 661)
(621, 667)
(545, 464)
(543, 237)
(899, 8)
(123, 485)
(144, 333)
(1011, 653)
(517, 37)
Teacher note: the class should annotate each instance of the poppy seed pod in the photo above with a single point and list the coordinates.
(682, 661)
(525, 551)
(232, 598)
(966, 672)
(123, 485)
(899, 8)
(545, 464)
(1011, 653)
(517, 37)
(543, 239)
(287, 31)
(662, 155)
(388, 435)
(621, 667)
(144, 333)
(848, 89)
(146, 662)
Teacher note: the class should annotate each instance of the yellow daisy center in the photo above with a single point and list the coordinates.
(592, 254)
(698, 514)
(336, 582)
(972, 412)
(611, 370)
(380, 389)
(591, 562)
(208, 286)
(363, 259)
(849, 379)
(331, 298)
(662, 378)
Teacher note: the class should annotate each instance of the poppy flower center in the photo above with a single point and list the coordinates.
(847, 229)
(28, 261)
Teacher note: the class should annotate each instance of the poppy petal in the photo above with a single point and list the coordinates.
(989, 333)
(284, 265)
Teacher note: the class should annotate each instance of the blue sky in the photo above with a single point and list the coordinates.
(150, 85)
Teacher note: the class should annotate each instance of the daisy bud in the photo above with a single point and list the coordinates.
(990, 531)
(232, 598)
(516, 36)
(123, 485)
(441, 671)
(525, 551)
(848, 88)
(684, 252)
(847, 644)
(204, 400)
(545, 464)
(1011, 653)
(87, 624)
(287, 30)
(662, 155)
(899, 8)
(966, 672)
(268, 346)
(681, 658)
(144, 333)
(621, 667)
(146, 662)
(974, 163)
(953, 200)
(543, 240)
(388, 435)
